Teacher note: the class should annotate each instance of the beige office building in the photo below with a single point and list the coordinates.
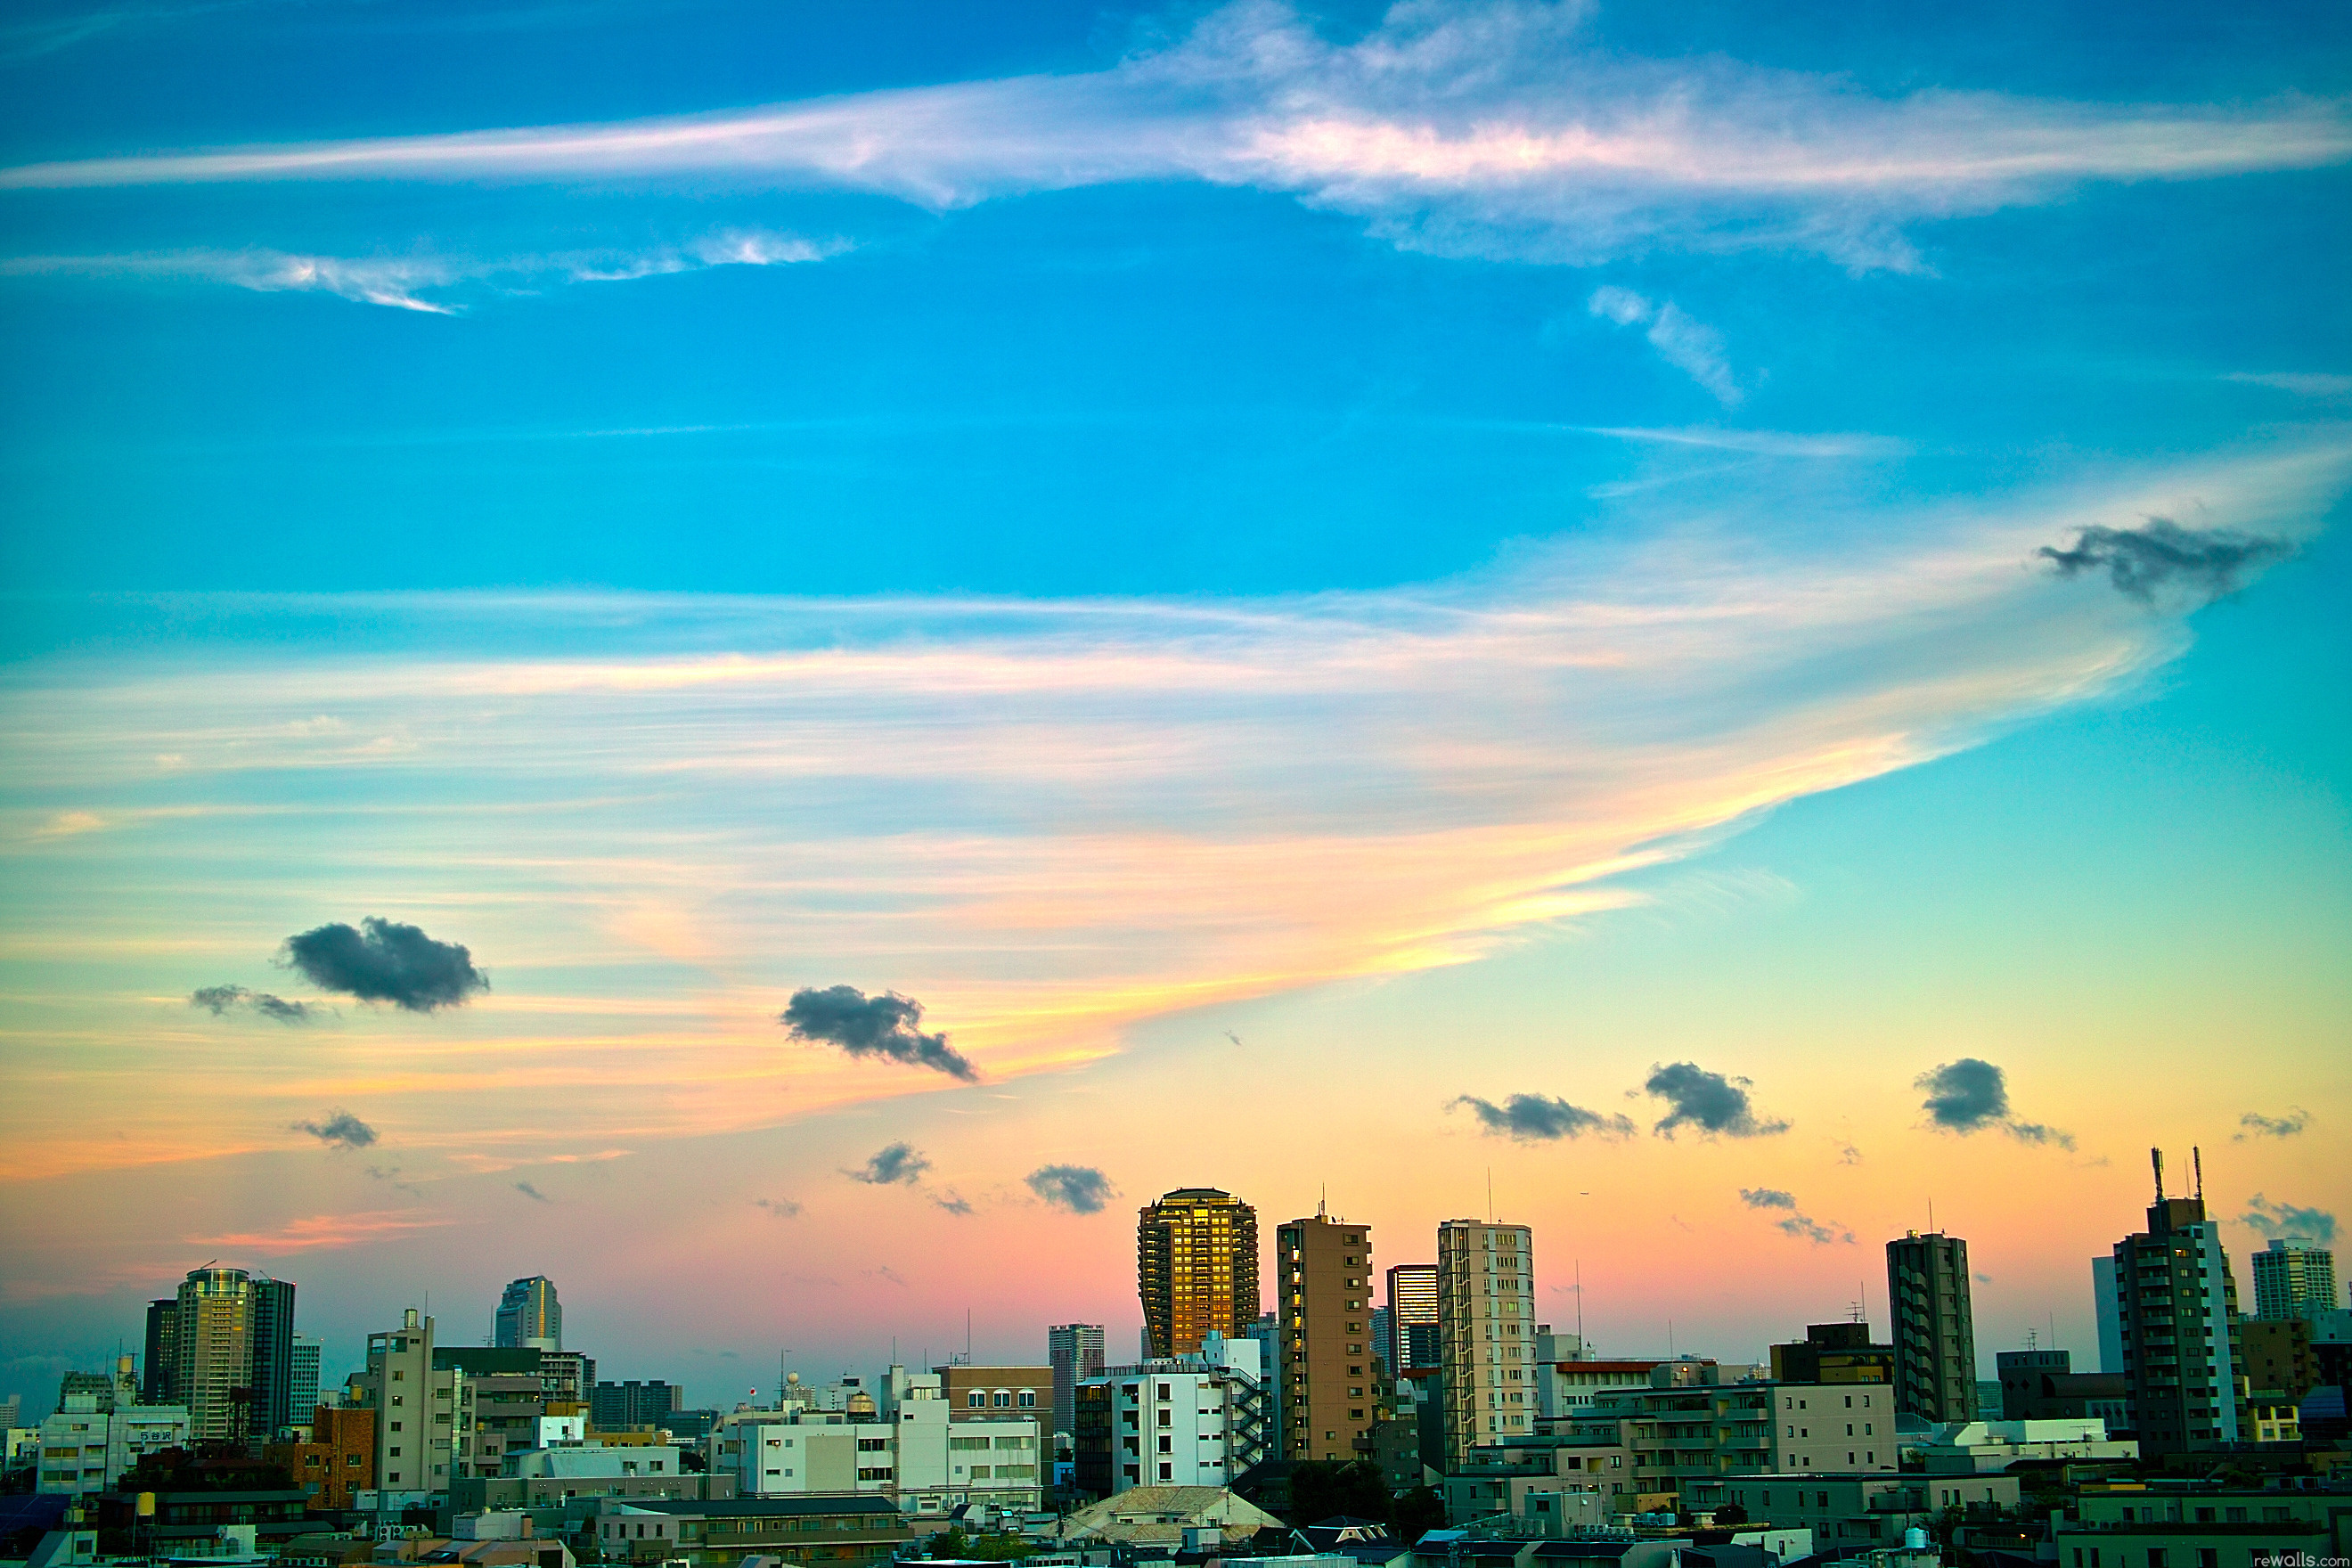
(1487, 1333)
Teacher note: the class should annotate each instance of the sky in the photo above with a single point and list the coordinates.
(777, 659)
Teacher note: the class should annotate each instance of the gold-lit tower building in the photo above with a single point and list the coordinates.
(1196, 1269)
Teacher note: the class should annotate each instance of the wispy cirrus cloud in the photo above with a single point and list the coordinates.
(434, 285)
(1491, 129)
(316, 1233)
(966, 795)
(1690, 346)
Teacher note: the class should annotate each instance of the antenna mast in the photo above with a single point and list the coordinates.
(2156, 1158)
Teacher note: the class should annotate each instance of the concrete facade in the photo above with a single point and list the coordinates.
(1330, 1370)
(1486, 1326)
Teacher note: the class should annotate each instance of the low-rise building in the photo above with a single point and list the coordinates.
(1569, 1387)
(1984, 1447)
(1172, 1518)
(919, 1453)
(1848, 1511)
(839, 1531)
(337, 1459)
(2133, 1527)
(595, 1461)
(1187, 1422)
(83, 1448)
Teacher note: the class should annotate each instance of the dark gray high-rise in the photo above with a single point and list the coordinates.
(1075, 1351)
(1935, 1332)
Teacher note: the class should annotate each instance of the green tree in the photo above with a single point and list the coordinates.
(1321, 1489)
(1415, 1513)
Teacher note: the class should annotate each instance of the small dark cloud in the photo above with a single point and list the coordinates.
(1707, 1100)
(886, 1272)
(1983, 1279)
(1806, 1229)
(1081, 1189)
(1767, 1198)
(2210, 562)
(954, 1201)
(526, 1190)
(1848, 1154)
(1970, 1095)
(2288, 1221)
(387, 961)
(900, 1164)
(2257, 1125)
(1538, 1118)
(219, 999)
(782, 1208)
(341, 1130)
(884, 1026)
(392, 1174)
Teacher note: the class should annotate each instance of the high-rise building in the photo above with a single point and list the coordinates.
(1196, 1269)
(1329, 1368)
(1935, 1330)
(213, 1354)
(273, 1357)
(2294, 1280)
(417, 1426)
(1413, 1318)
(2176, 1308)
(530, 1317)
(303, 1381)
(162, 1363)
(1486, 1330)
(633, 1405)
(1075, 1351)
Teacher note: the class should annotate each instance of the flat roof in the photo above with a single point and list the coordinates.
(752, 1507)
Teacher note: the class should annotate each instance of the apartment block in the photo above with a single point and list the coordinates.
(1486, 1327)
(337, 1462)
(2294, 1280)
(417, 1435)
(1934, 1327)
(1330, 1370)
(974, 1393)
(1833, 1352)
(1196, 1269)
(1183, 1421)
(1075, 1351)
(84, 1449)
(2176, 1310)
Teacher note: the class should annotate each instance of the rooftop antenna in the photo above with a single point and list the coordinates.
(1323, 1200)
(2197, 1164)
(1579, 1307)
(1931, 1217)
(2033, 1339)
(1670, 1339)
(1490, 1195)
(2156, 1157)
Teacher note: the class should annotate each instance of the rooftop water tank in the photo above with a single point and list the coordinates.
(1915, 1540)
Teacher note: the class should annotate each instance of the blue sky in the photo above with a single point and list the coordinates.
(1503, 539)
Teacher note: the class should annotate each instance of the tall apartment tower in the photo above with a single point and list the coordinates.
(212, 1372)
(2176, 1310)
(414, 1451)
(272, 1377)
(1935, 1332)
(2294, 1280)
(159, 1382)
(1196, 1269)
(1330, 1367)
(1075, 1351)
(530, 1317)
(302, 1385)
(1413, 1318)
(1487, 1333)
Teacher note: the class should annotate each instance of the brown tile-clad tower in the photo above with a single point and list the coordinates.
(1196, 1269)
(1330, 1369)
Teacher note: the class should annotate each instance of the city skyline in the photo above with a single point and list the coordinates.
(816, 650)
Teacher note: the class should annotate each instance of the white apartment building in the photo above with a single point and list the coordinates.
(1182, 1421)
(417, 1424)
(1569, 1387)
(86, 1449)
(1847, 1428)
(910, 1453)
(1487, 1333)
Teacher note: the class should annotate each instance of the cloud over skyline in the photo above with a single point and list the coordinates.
(340, 1130)
(1970, 1095)
(895, 1164)
(884, 1025)
(1080, 1189)
(386, 961)
(2284, 1221)
(1538, 1118)
(1709, 1101)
